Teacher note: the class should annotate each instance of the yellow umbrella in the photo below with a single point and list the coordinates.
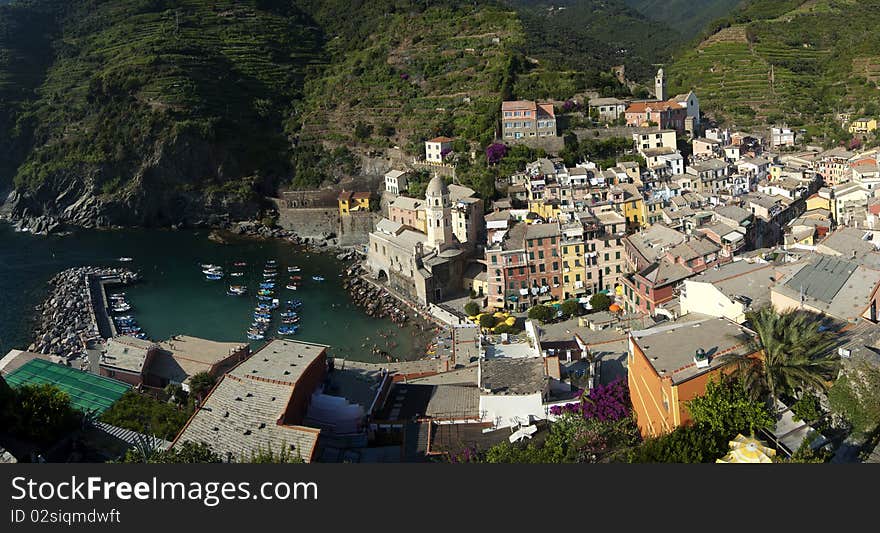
(748, 450)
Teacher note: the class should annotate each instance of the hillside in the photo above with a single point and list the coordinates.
(152, 111)
(159, 112)
(686, 16)
(594, 35)
(798, 62)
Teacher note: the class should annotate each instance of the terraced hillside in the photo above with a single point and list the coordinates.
(799, 62)
(419, 72)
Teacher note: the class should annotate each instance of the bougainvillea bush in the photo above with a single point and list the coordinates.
(495, 152)
(603, 403)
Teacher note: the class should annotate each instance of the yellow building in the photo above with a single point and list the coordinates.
(818, 202)
(574, 269)
(545, 210)
(863, 125)
(353, 201)
(632, 207)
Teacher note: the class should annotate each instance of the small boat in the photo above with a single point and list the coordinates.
(255, 336)
(125, 259)
(288, 314)
(318, 278)
(293, 320)
(294, 269)
(213, 277)
(291, 330)
(295, 302)
(123, 318)
(267, 285)
(239, 263)
(236, 290)
(209, 265)
(140, 335)
(121, 308)
(236, 274)
(292, 287)
(263, 298)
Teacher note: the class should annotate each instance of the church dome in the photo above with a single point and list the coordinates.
(436, 187)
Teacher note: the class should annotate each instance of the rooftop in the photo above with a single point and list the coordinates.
(245, 410)
(126, 353)
(513, 376)
(839, 288)
(848, 242)
(670, 349)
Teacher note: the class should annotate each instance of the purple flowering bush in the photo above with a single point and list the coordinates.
(604, 403)
(495, 152)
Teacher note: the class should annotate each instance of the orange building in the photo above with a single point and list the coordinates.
(669, 365)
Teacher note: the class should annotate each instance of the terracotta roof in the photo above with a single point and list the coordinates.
(345, 196)
(361, 195)
(641, 107)
(441, 139)
(518, 105)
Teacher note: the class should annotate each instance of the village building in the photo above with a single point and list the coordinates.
(437, 150)
(608, 109)
(671, 365)
(524, 119)
(396, 181)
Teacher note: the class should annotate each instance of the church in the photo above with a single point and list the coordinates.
(429, 266)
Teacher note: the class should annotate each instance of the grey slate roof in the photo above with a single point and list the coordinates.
(513, 376)
(243, 413)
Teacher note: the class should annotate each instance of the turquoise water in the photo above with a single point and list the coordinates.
(174, 297)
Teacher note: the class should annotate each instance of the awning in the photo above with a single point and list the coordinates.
(513, 298)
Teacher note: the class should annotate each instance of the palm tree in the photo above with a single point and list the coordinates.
(797, 353)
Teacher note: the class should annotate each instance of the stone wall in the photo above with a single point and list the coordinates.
(317, 223)
(309, 223)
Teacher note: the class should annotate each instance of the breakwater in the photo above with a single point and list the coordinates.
(74, 311)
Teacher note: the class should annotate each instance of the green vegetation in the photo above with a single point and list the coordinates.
(855, 397)
(719, 415)
(572, 439)
(42, 413)
(686, 16)
(570, 308)
(600, 302)
(797, 354)
(791, 61)
(542, 313)
(591, 37)
(472, 308)
(188, 452)
(144, 414)
(201, 384)
(488, 321)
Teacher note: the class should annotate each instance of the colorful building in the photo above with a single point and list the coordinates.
(353, 201)
(669, 366)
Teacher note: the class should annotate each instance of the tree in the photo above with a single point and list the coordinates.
(362, 131)
(144, 414)
(201, 384)
(541, 312)
(187, 452)
(797, 353)
(600, 301)
(727, 409)
(487, 321)
(472, 308)
(495, 152)
(694, 443)
(570, 308)
(855, 397)
(44, 413)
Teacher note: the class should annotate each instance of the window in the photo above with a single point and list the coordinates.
(531, 256)
(617, 255)
(522, 270)
(542, 267)
(608, 270)
(556, 280)
(555, 265)
(540, 254)
(553, 239)
(494, 259)
(565, 279)
(607, 257)
(540, 242)
(577, 277)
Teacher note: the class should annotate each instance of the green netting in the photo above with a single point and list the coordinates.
(88, 392)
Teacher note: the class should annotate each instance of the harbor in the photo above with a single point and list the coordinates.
(172, 295)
